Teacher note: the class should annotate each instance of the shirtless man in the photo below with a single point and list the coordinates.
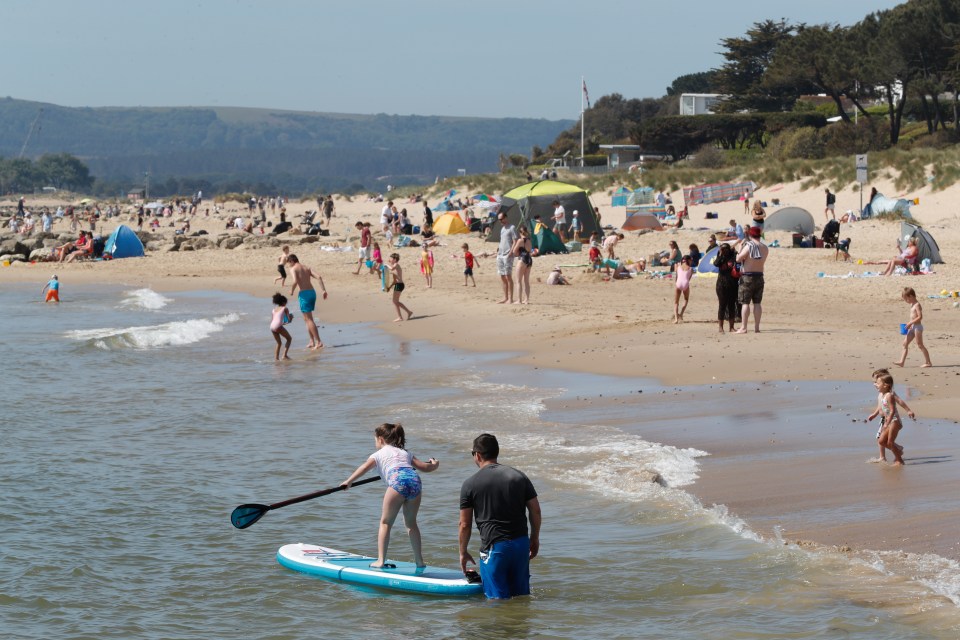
(308, 297)
(753, 256)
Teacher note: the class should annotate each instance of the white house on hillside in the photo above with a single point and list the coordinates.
(696, 104)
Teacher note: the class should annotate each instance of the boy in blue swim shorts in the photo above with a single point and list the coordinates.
(308, 300)
(302, 275)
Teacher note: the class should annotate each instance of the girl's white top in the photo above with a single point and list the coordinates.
(390, 458)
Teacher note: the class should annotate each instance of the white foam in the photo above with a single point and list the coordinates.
(145, 299)
(940, 575)
(156, 336)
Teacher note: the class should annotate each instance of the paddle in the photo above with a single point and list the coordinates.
(246, 514)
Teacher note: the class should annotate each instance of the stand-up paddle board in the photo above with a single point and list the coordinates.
(355, 569)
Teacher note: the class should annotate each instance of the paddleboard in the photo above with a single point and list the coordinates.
(353, 568)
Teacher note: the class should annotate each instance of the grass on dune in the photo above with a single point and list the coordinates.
(911, 169)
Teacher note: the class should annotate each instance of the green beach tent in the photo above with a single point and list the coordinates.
(536, 198)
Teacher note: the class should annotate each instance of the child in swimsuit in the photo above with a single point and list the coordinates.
(52, 289)
(394, 266)
(684, 273)
(891, 419)
(426, 266)
(281, 269)
(398, 469)
(881, 436)
(914, 328)
(281, 315)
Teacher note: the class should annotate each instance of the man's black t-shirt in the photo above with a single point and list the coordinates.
(498, 496)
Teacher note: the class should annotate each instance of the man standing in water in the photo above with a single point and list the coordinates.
(308, 297)
(508, 236)
(501, 498)
(753, 256)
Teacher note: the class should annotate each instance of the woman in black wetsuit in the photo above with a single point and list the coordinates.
(727, 285)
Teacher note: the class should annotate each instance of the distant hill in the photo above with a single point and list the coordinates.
(295, 151)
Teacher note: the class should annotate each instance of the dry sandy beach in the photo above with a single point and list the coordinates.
(814, 329)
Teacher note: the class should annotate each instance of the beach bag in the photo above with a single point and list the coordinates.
(735, 272)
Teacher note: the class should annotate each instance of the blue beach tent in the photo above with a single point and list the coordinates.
(620, 197)
(706, 262)
(123, 243)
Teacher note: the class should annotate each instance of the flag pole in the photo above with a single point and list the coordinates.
(583, 84)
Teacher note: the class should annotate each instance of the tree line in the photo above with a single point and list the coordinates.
(57, 170)
(890, 68)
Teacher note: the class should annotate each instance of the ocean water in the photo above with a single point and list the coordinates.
(134, 422)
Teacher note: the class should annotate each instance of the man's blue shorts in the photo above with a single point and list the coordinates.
(308, 300)
(505, 568)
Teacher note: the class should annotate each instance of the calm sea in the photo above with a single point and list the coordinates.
(133, 423)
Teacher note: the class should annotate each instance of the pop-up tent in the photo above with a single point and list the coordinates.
(927, 246)
(640, 218)
(882, 204)
(546, 241)
(536, 198)
(123, 243)
(620, 197)
(445, 205)
(449, 224)
(792, 219)
(706, 261)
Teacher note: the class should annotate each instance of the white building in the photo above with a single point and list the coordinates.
(696, 104)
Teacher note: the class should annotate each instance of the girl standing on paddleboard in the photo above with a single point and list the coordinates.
(398, 468)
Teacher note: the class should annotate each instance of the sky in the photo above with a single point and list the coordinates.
(485, 58)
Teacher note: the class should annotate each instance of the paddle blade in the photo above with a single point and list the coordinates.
(246, 514)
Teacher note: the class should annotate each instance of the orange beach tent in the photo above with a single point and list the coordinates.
(449, 224)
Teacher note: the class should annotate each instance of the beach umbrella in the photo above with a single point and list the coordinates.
(485, 198)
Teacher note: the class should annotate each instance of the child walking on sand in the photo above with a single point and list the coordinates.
(394, 266)
(914, 328)
(426, 266)
(891, 418)
(398, 469)
(881, 436)
(377, 259)
(684, 273)
(281, 315)
(469, 261)
(281, 268)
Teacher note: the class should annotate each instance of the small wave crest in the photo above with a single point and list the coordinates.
(941, 575)
(169, 334)
(610, 461)
(145, 299)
